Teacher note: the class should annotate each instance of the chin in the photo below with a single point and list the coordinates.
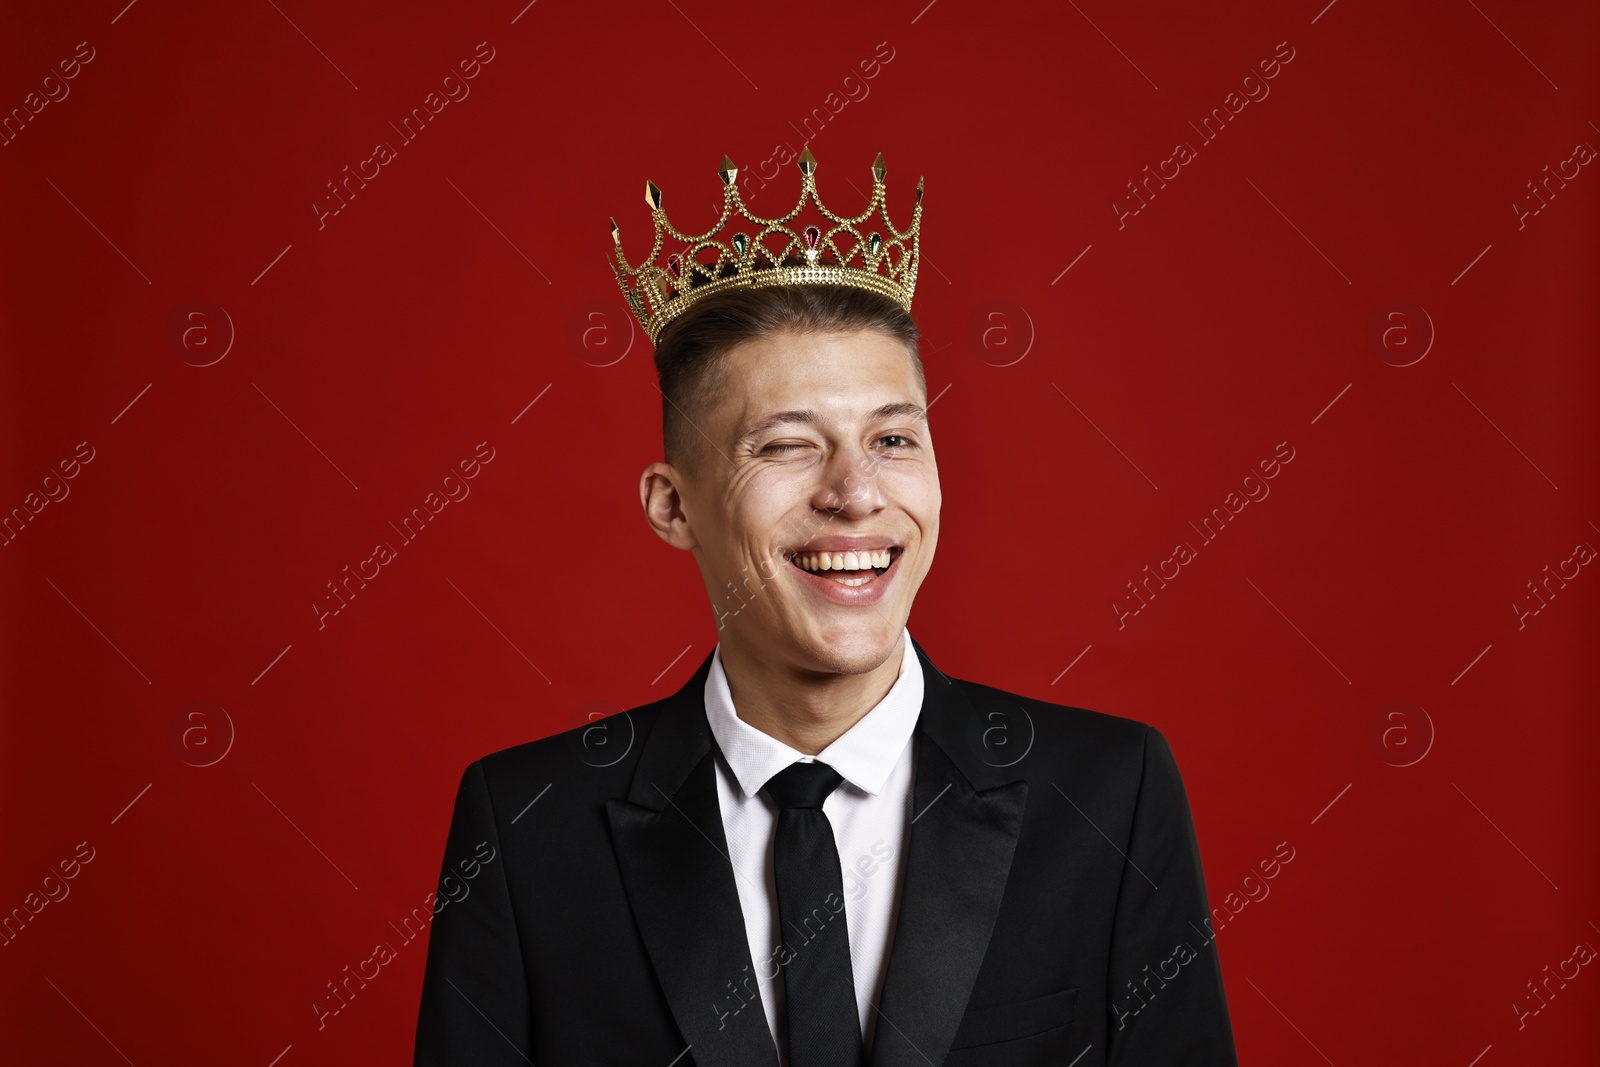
(852, 651)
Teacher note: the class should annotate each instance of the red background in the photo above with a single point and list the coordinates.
(370, 355)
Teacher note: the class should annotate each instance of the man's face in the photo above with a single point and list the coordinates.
(820, 445)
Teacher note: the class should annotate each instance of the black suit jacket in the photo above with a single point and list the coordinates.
(1053, 909)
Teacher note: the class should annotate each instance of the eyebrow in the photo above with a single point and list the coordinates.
(900, 409)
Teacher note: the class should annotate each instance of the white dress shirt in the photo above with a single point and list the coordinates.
(870, 812)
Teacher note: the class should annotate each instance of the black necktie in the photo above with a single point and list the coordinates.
(824, 1026)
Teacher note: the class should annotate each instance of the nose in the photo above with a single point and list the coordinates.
(849, 484)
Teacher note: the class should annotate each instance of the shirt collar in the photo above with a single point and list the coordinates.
(864, 755)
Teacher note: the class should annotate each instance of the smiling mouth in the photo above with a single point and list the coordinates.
(846, 568)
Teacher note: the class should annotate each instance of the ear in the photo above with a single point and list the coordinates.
(660, 493)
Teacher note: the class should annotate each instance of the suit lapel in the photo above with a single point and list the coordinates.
(673, 855)
(966, 815)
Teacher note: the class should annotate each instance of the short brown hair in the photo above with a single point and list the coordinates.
(689, 349)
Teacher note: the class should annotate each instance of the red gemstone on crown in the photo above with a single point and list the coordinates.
(672, 265)
(812, 236)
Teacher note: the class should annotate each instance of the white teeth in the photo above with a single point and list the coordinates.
(845, 561)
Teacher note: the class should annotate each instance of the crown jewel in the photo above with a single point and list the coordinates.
(772, 253)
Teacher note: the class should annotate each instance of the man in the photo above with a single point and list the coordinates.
(821, 850)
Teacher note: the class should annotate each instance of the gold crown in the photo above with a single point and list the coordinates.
(706, 264)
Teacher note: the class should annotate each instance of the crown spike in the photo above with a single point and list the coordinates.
(731, 255)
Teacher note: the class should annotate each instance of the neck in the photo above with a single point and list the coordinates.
(805, 710)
